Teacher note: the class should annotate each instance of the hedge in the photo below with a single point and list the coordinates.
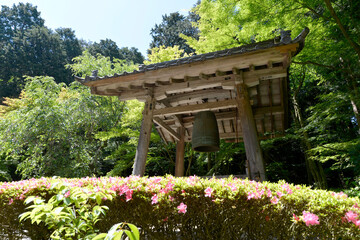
(196, 208)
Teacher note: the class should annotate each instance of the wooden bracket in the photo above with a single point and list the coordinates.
(164, 126)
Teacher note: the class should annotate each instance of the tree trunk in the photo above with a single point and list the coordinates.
(314, 168)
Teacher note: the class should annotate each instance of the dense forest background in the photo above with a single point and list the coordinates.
(51, 125)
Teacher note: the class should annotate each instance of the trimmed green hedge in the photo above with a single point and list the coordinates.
(195, 208)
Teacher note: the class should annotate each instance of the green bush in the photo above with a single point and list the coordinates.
(195, 208)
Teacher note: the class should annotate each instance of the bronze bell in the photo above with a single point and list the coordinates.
(205, 135)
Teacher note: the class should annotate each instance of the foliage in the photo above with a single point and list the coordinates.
(109, 48)
(279, 166)
(84, 64)
(28, 47)
(201, 208)
(162, 54)
(52, 130)
(167, 33)
(72, 213)
(117, 231)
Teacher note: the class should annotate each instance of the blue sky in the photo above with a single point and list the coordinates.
(127, 22)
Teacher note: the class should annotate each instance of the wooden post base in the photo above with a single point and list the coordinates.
(180, 152)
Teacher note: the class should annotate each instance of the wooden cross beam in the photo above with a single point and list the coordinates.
(195, 108)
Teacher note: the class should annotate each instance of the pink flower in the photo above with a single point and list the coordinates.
(233, 187)
(351, 216)
(274, 200)
(182, 208)
(154, 199)
(250, 195)
(268, 193)
(310, 218)
(287, 188)
(208, 192)
(296, 218)
(280, 194)
(67, 194)
(11, 201)
(129, 193)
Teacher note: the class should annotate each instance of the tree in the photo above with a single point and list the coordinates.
(70, 43)
(18, 18)
(54, 129)
(167, 33)
(131, 55)
(162, 54)
(29, 48)
(109, 48)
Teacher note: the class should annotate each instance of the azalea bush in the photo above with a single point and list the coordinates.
(196, 208)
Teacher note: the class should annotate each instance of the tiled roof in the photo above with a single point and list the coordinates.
(284, 39)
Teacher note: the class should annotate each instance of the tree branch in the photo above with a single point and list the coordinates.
(316, 64)
(342, 27)
(327, 66)
(300, 84)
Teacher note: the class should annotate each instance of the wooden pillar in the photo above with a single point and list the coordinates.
(144, 138)
(180, 152)
(250, 136)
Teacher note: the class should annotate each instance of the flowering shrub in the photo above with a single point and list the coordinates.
(195, 208)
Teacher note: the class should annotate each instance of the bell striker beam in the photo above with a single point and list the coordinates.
(144, 138)
(180, 152)
(250, 136)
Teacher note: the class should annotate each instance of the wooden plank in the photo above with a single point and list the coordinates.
(198, 95)
(250, 136)
(160, 122)
(162, 134)
(195, 108)
(259, 113)
(180, 153)
(144, 138)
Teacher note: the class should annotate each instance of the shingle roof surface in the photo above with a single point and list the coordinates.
(284, 39)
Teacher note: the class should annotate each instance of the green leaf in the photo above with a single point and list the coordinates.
(67, 201)
(134, 230)
(131, 235)
(118, 235)
(98, 199)
(24, 216)
(100, 236)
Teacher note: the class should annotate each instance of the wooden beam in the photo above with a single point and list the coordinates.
(164, 126)
(198, 95)
(144, 138)
(250, 136)
(250, 78)
(178, 117)
(195, 108)
(180, 153)
(259, 113)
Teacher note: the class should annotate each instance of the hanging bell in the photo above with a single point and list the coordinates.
(205, 135)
